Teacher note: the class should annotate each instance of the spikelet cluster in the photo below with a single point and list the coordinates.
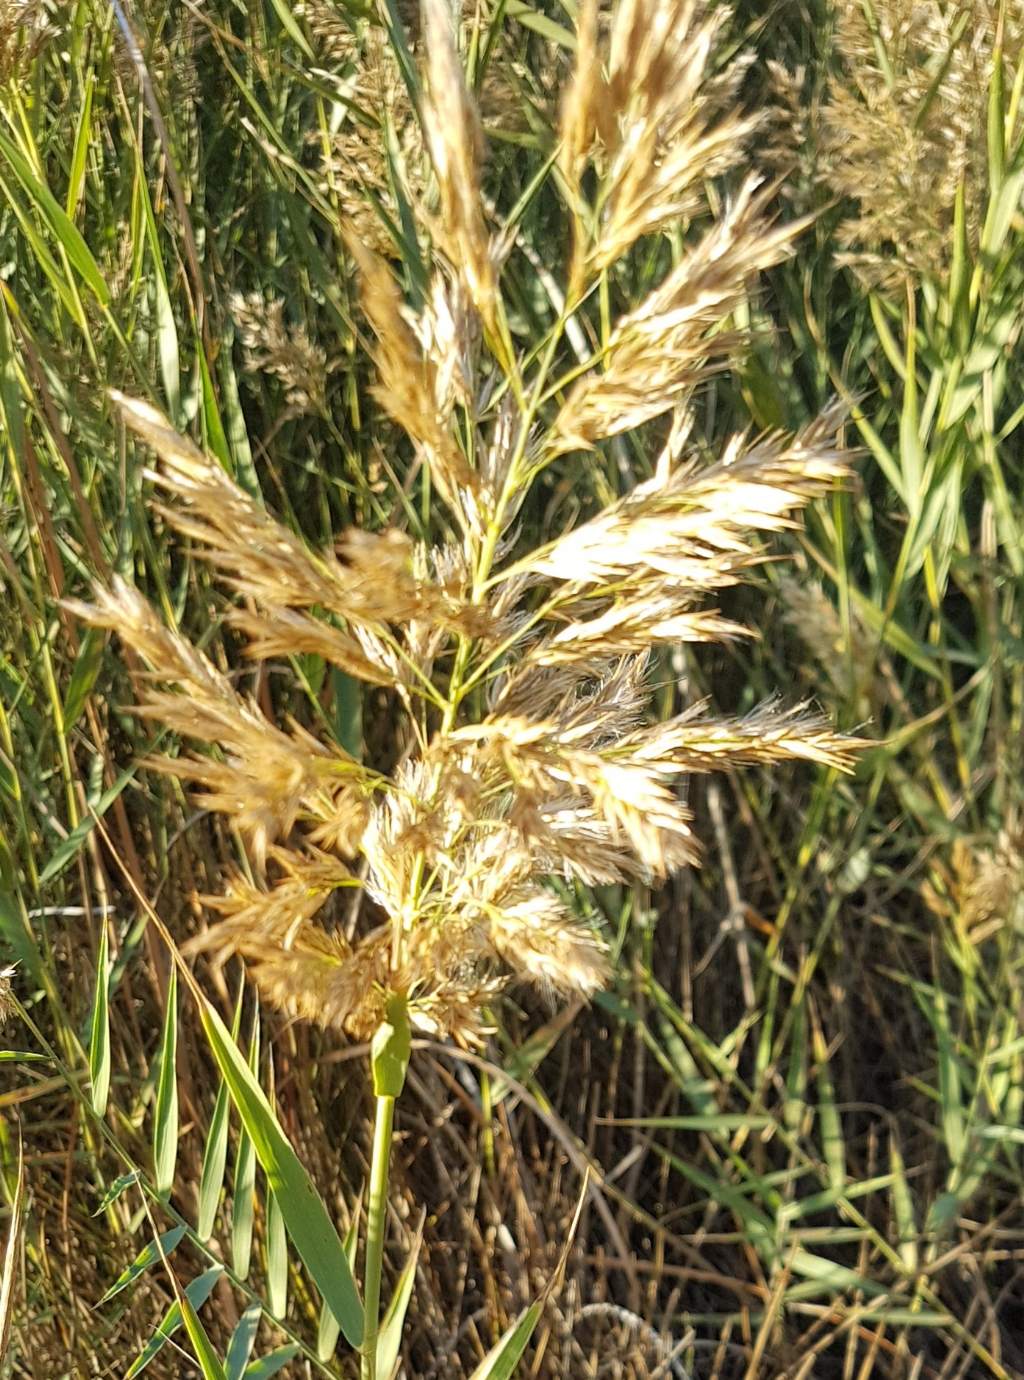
(981, 892)
(905, 124)
(377, 141)
(530, 765)
(845, 654)
(271, 345)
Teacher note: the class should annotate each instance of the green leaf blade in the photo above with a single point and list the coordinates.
(99, 1036)
(306, 1218)
(165, 1122)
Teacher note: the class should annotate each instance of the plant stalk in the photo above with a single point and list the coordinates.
(376, 1223)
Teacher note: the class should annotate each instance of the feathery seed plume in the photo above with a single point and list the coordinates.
(267, 777)
(422, 372)
(669, 123)
(282, 349)
(456, 143)
(527, 751)
(905, 124)
(660, 351)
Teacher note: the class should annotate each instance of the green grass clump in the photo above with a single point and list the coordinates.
(799, 1100)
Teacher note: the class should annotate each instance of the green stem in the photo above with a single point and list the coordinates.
(376, 1220)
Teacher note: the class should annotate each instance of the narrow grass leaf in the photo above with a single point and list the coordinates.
(796, 1076)
(722, 1121)
(11, 1253)
(820, 1202)
(243, 1194)
(115, 1190)
(959, 304)
(691, 1082)
(197, 1293)
(63, 229)
(912, 458)
(539, 23)
(80, 151)
(214, 1161)
(215, 1153)
(83, 677)
(166, 330)
(1003, 204)
(327, 1334)
(950, 1087)
(305, 1215)
(17, 937)
(209, 1361)
(273, 1362)
(165, 1125)
(99, 1034)
(216, 437)
(501, 1361)
(243, 1206)
(903, 1211)
(70, 847)
(277, 1258)
(828, 1276)
(242, 1341)
(915, 1318)
(996, 124)
(233, 417)
(291, 25)
(145, 1260)
(392, 19)
(832, 1143)
(756, 1223)
(348, 712)
(328, 1330)
(48, 264)
(389, 1341)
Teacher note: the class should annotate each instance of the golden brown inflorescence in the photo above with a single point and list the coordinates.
(529, 762)
(904, 125)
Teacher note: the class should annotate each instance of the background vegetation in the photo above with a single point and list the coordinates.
(801, 1098)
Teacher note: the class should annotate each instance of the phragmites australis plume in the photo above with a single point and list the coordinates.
(281, 349)
(527, 753)
(904, 126)
(374, 155)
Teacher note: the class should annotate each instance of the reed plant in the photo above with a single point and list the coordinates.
(520, 676)
(482, 370)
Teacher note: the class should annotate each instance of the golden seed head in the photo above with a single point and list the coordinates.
(904, 125)
(526, 754)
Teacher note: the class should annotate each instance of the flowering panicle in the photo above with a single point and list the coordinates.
(653, 118)
(375, 145)
(423, 371)
(453, 134)
(280, 349)
(25, 26)
(529, 754)
(660, 351)
(904, 126)
(266, 777)
(981, 893)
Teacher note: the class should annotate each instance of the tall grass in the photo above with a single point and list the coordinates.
(799, 1099)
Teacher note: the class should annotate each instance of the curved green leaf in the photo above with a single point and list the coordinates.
(305, 1215)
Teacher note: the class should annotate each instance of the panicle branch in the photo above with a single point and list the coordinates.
(455, 140)
(266, 777)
